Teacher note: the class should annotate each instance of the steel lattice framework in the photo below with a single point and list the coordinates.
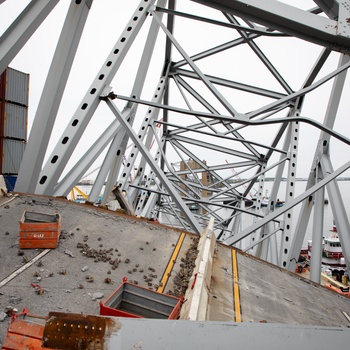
(220, 117)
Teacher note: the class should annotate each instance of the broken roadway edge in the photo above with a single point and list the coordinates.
(66, 279)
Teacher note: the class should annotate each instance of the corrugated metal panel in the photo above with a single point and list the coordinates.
(2, 117)
(15, 121)
(12, 155)
(2, 101)
(2, 85)
(17, 86)
(1, 153)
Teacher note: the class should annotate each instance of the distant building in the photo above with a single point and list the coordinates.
(203, 176)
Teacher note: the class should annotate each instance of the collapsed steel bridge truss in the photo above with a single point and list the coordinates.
(218, 105)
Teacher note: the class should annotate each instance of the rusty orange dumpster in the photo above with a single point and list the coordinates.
(39, 230)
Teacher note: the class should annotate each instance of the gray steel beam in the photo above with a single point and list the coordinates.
(329, 7)
(205, 123)
(243, 120)
(215, 147)
(301, 226)
(322, 148)
(271, 216)
(339, 211)
(262, 56)
(86, 160)
(290, 20)
(151, 115)
(299, 93)
(150, 334)
(294, 130)
(153, 164)
(206, 81)
(216, 49)
(107, 165)
(51, 97)
(309, 25)
(224, 166)
(231, 84)
(317, 233)
(52, 171)
(19, 32)
(252, 28)
(142, 71)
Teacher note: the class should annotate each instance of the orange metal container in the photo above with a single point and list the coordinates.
(39, 230)
(24, 334)
(131, 300)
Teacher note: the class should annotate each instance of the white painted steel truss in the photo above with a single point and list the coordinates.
(218, 104)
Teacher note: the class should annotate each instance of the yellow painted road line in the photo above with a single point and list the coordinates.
(236, 296)
(171, 263)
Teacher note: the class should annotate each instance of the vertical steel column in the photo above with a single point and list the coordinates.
(339, 211)
(317, 233)
(322, 148)
(273, 258)
(152, 114)
(51, 97)
(255, 236)
(53, 169)
(286, 238)
(264, 245)
(106, 166)
(301, 226)
(139, 82)
(86, 160)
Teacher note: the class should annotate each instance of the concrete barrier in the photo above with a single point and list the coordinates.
(195, 307)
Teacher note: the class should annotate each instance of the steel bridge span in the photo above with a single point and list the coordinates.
(245, 90)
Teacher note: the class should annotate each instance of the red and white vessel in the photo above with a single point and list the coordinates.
(332, 254)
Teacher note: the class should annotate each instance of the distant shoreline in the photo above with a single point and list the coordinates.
(269, 179)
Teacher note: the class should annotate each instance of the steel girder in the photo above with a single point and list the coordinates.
(15, 37)
(328, 32)
(52, 94)
(224, 116)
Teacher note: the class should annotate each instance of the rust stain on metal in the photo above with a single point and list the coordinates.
(76, 331)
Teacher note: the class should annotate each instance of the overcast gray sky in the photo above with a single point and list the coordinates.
(105, 23)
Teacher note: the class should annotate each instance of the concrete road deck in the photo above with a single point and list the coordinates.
(148, 253)
(143, 248)
(267, 293)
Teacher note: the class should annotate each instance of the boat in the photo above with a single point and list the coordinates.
(332, 254)
(279, 203)
(333, 262)
(264, 200)
(80, 198)
(193, 207)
